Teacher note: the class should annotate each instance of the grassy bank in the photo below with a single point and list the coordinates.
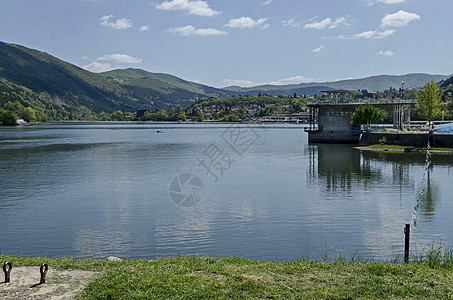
(428, 276)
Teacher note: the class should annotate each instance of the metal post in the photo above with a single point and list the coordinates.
(43, 271)
(407, 230)
(7, 267)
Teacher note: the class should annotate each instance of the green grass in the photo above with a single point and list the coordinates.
(190, 277)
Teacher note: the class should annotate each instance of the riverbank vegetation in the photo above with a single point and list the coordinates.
(192, 277)
(396, 148)
(227, 109)
(21, 103)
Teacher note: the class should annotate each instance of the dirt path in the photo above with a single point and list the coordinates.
(59, 284)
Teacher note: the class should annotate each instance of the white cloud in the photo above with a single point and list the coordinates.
(119, 24)
(238, 82)
(105, 18)
(319, 49)
(296, 79)
(246, 22)
(374, 34)
(391, 1)
(144, 28)
(97, 67)
(85, 57)
(338, 37)
(338, 22)
(291, 22)
(399, 19)
(250, 83)
(267, 2)
(197, 7)
(386, 53)
(120, 58)
(319, 25)
(191, 30)
(327, 22)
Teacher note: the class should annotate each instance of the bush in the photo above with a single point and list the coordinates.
(7, 118)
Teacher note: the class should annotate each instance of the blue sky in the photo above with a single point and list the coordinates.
(239, 42)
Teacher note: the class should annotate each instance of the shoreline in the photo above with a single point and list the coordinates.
(400, 150)
(203, 277)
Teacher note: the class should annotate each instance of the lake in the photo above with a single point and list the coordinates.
(96, 189)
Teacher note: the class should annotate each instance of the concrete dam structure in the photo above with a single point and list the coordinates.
(331, 121)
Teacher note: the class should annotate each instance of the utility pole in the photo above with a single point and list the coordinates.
(402, 90)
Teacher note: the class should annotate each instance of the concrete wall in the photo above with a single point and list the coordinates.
(330, 137)
(408, 139)
(335, 118)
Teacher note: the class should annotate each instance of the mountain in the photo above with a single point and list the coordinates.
(169, 87)
(446, 83)
(64, 85)
(373, 83)
(60, 89)
(276, 90)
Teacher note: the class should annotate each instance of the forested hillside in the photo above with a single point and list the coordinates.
(54, 89)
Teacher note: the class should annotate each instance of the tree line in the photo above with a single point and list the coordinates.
(23, 104)
(430, 106)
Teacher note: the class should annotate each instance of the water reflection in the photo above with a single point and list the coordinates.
(406, 167)
(336, 168)
(430, 199)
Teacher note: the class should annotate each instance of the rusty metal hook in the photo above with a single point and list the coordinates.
(7, 271)
(43, 270)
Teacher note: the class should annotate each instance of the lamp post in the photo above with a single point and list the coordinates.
(402, 89)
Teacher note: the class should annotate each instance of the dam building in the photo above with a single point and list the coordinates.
(331, 121)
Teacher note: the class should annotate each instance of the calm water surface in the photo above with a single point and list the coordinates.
(100, 189)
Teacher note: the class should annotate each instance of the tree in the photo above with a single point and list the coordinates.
(429, 101)
(147, 116)
(266, 111)
(367, 114)
(161, 115)
(298, 105)
(29, 114)
(7, 118)
(117, 116)
(200, 115)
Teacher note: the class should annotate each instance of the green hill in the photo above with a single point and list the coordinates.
(58, 85)
(172, 89)
(446, 83)
(60, 90)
